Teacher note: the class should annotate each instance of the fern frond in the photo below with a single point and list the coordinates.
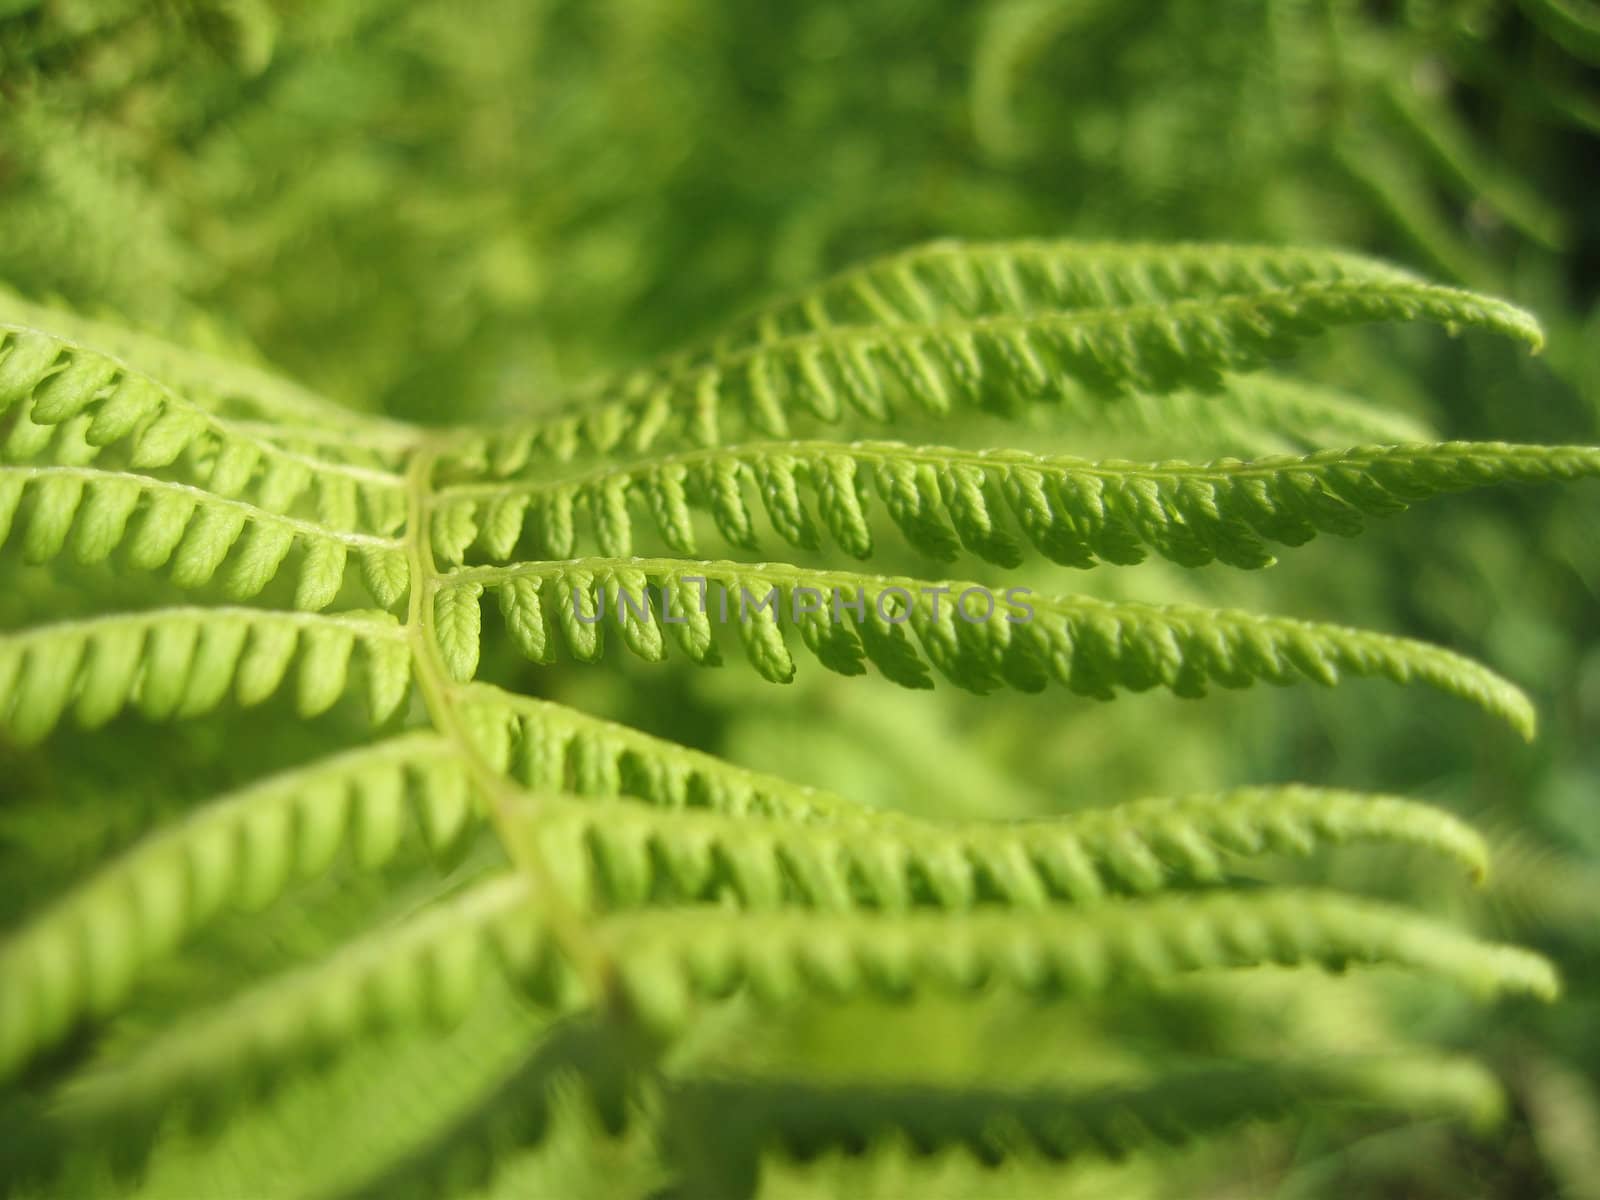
(94, 512)
(668, 960)
(427, 968)
(581, 1062)
(800, 1120)
(222, 385)
(432, 967)
(181, 662)
(767, 838)
(375, 1112)
(619, 854)
(550, 748)
(80, 956)
(953, 279)
(987, 327)
(1258, 411)
(69, 406)
(1071, 510)
(1091, 646)
(635, 879)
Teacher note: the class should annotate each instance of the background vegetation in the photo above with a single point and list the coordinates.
(447, 215)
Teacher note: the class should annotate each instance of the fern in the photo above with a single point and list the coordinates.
(180, 662)
(946, 327)
(943, 501)
(800, 1120)
(1089, 645)
(634, 888)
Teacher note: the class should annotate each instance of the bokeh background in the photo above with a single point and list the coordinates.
(453, 212)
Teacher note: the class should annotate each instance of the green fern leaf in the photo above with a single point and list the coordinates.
(1071, 510)
(800, 1120)
(621, 854)
(181, 662)
(628, 881)
(429, 968)
(982, 327)
(1091, 646)
(82, 955)
(546, 747)
(671, 960)
(192, 531)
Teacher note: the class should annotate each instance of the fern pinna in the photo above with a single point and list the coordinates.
(636, 892)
